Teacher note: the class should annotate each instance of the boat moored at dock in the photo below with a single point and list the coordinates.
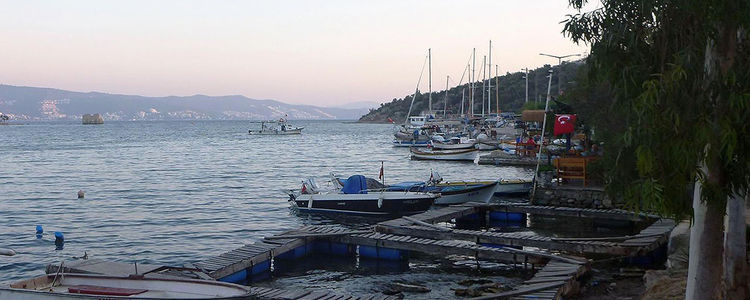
(353, 196)
(458, 155)
(70, 286)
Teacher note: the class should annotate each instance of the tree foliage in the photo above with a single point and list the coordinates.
(662, 105)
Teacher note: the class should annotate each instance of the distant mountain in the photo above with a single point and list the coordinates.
(33, 103)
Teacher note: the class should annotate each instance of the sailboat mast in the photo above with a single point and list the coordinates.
(489, 82)
(445, 102)
(416, 90)
(484, 80)
(429, 58)
(471, 92)
(497, 89)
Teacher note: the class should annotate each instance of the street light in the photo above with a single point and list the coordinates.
(559, 61)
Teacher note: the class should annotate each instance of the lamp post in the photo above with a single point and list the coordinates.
(559, 61)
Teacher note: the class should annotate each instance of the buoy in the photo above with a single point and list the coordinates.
(39, 231)
(80, 194)
(59, 240)
(7, 252)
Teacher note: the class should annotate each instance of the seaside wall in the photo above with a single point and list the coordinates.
(574, 196)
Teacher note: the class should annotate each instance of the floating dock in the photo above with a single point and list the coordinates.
(557, 274)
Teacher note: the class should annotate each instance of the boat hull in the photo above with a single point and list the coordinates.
(275, 132)
(419, 144)
(378, 203)
(442, 146)
(88, 286)
(513, 188)
(476, 193)
(456, 155)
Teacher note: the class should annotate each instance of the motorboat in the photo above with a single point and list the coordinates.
(72, 286)
(280, 127)
(412, 143)
(359, 195)
(460, 155)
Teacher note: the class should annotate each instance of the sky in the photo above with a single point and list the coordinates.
(325, 53)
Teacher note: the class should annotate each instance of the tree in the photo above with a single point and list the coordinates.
(678, 75)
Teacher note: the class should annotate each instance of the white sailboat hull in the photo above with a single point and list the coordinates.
(275, 132)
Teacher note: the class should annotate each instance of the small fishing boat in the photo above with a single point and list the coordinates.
(358, 195)
(487, 145)
(452, 192)
(461, 155)
(280, 127)
(412, 143)
(454, 143)
(68, 286)
(514, 187)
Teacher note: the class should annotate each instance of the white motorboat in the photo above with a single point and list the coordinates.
(280, 127)
(461, 155)
(353, 196)
(69, 286)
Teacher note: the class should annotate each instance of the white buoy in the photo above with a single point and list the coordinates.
(80, 194)
(7, 252)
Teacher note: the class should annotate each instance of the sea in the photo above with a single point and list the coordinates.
(176, 192)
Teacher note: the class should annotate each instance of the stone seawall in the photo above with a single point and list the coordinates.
(574, 196)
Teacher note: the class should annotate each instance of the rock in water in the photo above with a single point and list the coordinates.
(80, 194)
(92, 119)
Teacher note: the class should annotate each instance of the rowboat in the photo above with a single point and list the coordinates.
(487, 145)
(463, 155)
(455, 144)
(352, 196)
(514, 187)
(401, 143)
(452, 192)
(70, 286)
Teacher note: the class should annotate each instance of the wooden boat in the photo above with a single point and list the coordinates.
(516, 187)
(280, 127)
(69, 286)
(353, 196)
(412, 143)
(455, 144)
(452, 192)
(487, 145)
(462, 155)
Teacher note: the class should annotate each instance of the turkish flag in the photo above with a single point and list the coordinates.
(564, 124)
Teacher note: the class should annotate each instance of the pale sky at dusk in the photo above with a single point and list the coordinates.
(314, 52)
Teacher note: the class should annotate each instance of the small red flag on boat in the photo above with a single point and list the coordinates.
(390, 120)
(381, 171)
(564, 124)
(304, 189)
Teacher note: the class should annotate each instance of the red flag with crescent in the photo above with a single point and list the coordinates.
(564, 124)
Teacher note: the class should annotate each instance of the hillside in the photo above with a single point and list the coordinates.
(33, 103)
(511, 91)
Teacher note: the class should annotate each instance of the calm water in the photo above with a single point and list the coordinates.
(180, 191)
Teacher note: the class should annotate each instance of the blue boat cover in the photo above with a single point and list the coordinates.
(405, 186)
(355, 184)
